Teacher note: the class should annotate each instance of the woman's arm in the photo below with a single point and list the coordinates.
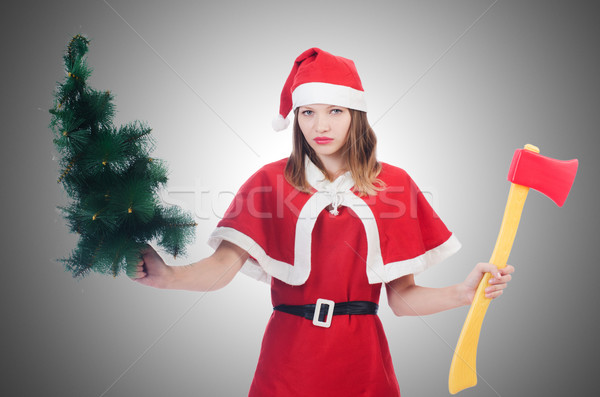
(408, 299)
(208, 274)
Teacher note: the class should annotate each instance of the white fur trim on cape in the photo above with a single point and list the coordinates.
(331, 94)
(262, 267)
(394, 270)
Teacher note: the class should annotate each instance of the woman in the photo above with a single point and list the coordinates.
(327, 227)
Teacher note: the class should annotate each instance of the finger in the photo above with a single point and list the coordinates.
(493, 294)
(494, 291)
(139, 274)
(501, 280)
(493, 288)
(507, 270)
(488, 268)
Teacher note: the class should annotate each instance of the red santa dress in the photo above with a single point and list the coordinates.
(345, 254)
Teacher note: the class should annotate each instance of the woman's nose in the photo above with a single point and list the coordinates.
(322, 123)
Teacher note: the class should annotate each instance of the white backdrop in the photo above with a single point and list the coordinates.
(453, 88)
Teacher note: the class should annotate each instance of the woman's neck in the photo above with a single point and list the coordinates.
(335, 166)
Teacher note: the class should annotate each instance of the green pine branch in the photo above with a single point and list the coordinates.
(110, 176)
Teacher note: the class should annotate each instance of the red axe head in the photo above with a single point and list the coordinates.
(551, 177)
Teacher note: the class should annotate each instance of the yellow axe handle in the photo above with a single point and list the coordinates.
(462, 369)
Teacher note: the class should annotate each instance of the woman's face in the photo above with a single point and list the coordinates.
(325, 128)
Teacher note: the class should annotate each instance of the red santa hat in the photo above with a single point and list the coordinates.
(320, 77)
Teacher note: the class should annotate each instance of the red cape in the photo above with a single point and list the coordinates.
(273, 222)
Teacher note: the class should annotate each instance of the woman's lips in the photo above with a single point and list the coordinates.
(322, 140)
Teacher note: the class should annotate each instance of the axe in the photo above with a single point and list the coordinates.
(528, 169)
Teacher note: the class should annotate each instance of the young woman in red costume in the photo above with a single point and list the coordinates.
(327, 227)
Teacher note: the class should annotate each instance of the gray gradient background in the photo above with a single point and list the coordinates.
(526, 72)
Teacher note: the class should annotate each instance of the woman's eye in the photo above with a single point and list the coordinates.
(336, 111)
(307, 112)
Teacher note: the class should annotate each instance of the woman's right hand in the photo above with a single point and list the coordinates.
(152, 270)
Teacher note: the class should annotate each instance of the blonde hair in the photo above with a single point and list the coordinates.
(359, 155)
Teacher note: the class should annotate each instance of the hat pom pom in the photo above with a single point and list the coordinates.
(279, 123)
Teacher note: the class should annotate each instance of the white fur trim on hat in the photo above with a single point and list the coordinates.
(330, 94)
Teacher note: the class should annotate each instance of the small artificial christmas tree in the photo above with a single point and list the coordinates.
(110, 177)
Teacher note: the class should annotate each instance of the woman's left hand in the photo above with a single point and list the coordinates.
(497, 283)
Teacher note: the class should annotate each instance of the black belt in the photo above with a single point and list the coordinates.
(327, 309)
